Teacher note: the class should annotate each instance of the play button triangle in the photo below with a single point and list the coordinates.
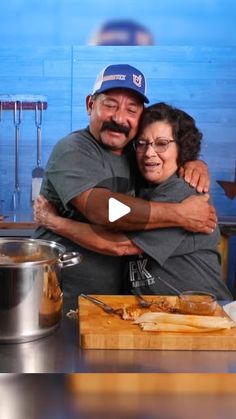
(116, 209)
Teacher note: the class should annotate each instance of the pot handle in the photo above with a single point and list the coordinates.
(69, 259)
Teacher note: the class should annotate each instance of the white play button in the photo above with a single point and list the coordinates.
(116, 210)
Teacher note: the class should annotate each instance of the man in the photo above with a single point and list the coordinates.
(90, 166)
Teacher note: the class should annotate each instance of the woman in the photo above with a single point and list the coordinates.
(167, 138)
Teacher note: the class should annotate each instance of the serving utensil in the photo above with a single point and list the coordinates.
(189, 302)
(107, 308)
(142, 301)
(178, 292)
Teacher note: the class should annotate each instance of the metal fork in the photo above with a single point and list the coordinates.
(108, 309)
(143, 303)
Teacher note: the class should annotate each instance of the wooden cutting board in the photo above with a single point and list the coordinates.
(99, 330)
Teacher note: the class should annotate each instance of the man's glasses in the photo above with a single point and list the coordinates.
(159, 146)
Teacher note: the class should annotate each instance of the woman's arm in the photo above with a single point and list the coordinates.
(92, 237)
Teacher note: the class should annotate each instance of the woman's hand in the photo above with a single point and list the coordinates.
(196, 174)
(44, 212)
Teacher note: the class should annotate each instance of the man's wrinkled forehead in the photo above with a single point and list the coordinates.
(121, 92)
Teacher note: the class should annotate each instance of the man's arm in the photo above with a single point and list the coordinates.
(193, 214)
(196, 173)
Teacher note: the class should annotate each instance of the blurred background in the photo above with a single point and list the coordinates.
(63, 22)
(85, 396)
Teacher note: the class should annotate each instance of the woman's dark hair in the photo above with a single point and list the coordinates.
(185, 133)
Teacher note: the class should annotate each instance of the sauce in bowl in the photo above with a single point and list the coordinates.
(197, 303)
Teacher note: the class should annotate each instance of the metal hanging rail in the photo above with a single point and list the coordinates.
(25, 101)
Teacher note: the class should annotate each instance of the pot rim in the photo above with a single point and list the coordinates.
(48, 243)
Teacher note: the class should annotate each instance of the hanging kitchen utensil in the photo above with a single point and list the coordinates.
(17, 118)
(38, 171)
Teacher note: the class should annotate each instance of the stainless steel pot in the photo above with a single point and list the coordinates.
(30, 289)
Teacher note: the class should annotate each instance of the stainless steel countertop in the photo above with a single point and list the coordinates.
(60, 353)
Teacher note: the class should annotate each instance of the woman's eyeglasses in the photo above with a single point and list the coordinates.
(159, 146)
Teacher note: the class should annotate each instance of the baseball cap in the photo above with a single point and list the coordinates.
(121, 76)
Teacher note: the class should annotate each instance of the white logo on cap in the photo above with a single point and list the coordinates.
(137, 80)
(114, 77)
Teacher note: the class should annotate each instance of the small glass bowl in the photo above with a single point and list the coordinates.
(197, 302)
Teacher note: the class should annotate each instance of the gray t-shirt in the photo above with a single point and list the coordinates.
(77, 163)
(188, 261)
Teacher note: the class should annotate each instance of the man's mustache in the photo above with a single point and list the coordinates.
(113, 126)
